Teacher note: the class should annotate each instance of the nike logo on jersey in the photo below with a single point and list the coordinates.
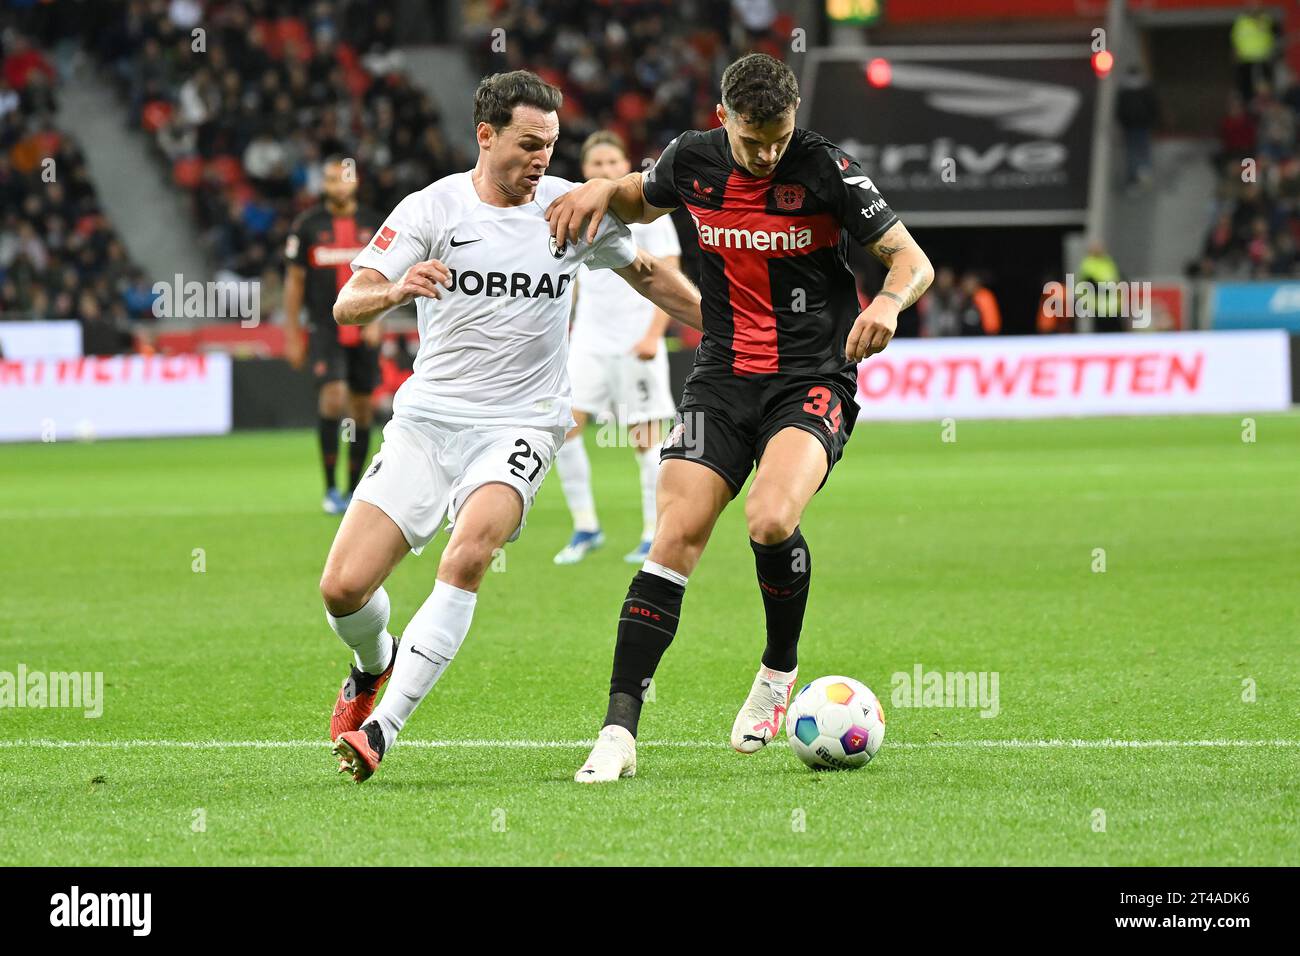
(463, 242)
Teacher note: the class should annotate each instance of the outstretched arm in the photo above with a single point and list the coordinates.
(666, 287)
(589, 202)
(910, 274)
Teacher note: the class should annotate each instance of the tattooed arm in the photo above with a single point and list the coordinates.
(910, 274)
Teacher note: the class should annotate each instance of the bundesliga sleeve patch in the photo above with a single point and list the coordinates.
(384, 239)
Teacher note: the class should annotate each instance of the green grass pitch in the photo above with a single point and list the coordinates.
(971, 556)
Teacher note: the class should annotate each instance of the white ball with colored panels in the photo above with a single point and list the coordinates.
(835, 723)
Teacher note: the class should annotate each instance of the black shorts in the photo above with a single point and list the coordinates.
(726, 420)
(358, 365)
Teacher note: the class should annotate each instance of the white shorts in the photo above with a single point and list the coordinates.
(630, 389)
(425, 470)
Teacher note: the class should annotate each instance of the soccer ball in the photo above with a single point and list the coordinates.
(835, 723)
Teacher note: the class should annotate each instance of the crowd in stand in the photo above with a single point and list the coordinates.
(243, 112)
(1255, 220)
(59, 254)
(1254, 230)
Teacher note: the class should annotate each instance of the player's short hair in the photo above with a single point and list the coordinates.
(498, 95)
(602, 137)
(759, 88)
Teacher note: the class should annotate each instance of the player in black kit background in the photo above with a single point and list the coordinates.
(774, 381)
(318, 254)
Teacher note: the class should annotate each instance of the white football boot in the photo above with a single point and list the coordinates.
(759, 720)
(580, 545)
(614, 756)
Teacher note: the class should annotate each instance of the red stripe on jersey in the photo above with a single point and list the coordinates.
(746, 237)
(345, 234)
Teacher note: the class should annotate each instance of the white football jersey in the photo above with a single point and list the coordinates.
(494, 348)
(611, 316)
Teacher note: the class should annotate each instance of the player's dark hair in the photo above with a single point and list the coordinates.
(333, 159)
(759, 88)
(498, 95)
(602, 137)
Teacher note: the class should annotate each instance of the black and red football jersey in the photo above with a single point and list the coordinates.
(778, 293)
(325, 245)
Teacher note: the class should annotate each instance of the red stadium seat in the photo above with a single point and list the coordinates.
(155, 115)
(571, 110)
(631, 107)
(187, 172)
(242, 192)
(227, 170)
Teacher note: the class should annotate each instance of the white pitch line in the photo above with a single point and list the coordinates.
(152, 511)
(1010, 744)
(1106, 744)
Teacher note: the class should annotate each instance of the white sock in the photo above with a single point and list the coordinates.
(575, 478)
(429, 644)
(648, 461)
(366, 632)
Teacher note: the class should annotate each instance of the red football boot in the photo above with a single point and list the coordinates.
(359, 751)
(356, 698)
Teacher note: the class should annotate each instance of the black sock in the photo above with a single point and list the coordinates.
(357, 453)
(329, 448)
(646, 627)
(784, 573)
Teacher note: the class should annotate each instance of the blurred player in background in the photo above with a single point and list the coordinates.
(618, 366)
(318, 253)
(775, 376)
(475, 428)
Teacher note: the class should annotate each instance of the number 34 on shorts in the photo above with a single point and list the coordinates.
(822, 400)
